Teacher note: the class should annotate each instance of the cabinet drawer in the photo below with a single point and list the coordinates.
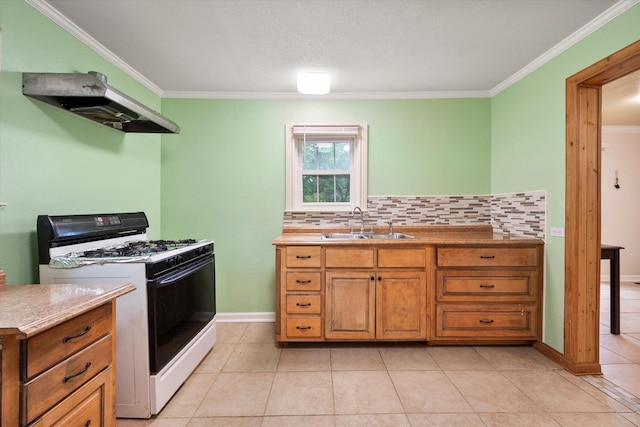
(390, 258)
(89, 405)
(304, 327)
(47, 389)
(487, 257)
(349, 257)
(303, 256)
(48, 348)
(303, 281)
(479, 285)
(303, 304)
(473, 321)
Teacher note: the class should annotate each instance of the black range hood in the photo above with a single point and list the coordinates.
(89, 95)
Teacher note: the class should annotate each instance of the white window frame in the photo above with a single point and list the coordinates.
(295, 134)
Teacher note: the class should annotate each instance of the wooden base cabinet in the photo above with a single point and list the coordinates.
(62, 376)
(488, 294)
(440, 293)
(299, 294)
(351, 293)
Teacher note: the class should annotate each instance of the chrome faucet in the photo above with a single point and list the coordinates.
(357, 210)
(390, 227)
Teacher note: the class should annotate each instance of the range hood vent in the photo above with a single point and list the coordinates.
(89, 95)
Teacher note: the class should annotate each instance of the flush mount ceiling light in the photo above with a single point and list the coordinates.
(314, 83)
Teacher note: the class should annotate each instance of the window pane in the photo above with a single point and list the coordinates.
(309, 188)
(326, 155)
(343, 188)
(309, 156)
(342, 155)
(326, 187)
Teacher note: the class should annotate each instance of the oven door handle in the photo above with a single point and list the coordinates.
(184, 272)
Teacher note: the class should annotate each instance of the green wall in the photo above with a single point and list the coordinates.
(528, 144)
(225, 173)
(53, 162)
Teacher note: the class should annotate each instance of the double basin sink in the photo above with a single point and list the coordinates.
(366, 236)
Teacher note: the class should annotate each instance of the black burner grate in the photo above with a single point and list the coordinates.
(136, 248)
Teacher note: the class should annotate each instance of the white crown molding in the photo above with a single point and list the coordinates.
(620, 129)
(335, 95)
(606, 16)
(46, 9)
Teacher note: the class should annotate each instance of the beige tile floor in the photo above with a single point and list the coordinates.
(248, 380)
(620, 354)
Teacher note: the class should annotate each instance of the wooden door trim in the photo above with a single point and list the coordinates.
(582, 207)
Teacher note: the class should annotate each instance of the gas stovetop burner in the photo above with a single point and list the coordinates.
(136, 248)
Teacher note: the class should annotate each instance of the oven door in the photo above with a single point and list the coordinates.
(181, 302)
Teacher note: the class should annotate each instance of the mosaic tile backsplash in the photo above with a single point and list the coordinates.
(519, 214)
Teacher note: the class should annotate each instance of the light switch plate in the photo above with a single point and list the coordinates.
(557, 231)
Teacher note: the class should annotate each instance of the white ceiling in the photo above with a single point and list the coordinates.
(371, 48)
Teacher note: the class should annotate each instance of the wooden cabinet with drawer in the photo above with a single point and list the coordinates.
(58, 362)
(299, 293)
(58, 354)
(376, 293)
(488, 294)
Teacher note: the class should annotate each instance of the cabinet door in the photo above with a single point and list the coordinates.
(350, 305)
(401, 305)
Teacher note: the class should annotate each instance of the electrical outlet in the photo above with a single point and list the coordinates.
(557, 231)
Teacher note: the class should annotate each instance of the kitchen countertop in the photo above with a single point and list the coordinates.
(26, 310)
(424, 235)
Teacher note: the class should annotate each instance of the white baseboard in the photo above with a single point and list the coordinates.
(246, 317)
(629, 278)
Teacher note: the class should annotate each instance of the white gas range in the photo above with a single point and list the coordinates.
(167, 325)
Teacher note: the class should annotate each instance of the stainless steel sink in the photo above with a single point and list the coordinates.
(391, 236)
(365, 236)
(343, 236)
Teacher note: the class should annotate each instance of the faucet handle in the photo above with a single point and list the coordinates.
(390, 222)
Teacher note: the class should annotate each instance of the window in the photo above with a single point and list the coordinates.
(326, 167)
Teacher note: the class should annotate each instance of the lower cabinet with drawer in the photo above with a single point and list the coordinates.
(351, 293)
(65, 374)
(299, 294)
(456, 293)
(488, 294)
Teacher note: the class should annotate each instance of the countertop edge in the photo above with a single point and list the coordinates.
(60, 315)
(421, 238)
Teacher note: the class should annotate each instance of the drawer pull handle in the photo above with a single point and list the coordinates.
(303, 282)
(66, 339)
(87, 424)
(303, 328)
(487, 256)
(306, 304)
(486, 322)
(487, 286)
(68, 377)
(303, 256)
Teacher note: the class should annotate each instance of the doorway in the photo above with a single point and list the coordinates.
(582, 207)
